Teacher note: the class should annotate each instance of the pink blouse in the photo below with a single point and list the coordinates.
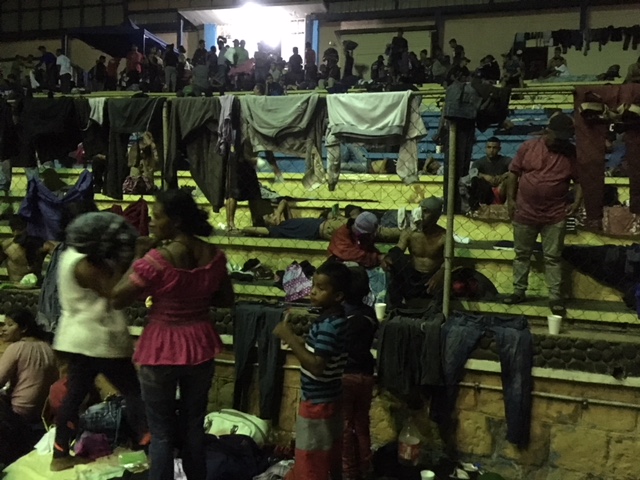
(180, 330)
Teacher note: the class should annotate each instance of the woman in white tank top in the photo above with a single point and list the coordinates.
(94, 336)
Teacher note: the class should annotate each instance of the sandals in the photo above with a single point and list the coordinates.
(515, 298)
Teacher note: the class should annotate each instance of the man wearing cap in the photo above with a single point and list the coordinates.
(538, 190)
(354, 242)
(421, 274)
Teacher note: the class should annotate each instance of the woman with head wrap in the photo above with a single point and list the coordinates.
(94, 336)
(185, 277)
(354, 242)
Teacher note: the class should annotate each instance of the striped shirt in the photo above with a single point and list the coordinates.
(327, 339)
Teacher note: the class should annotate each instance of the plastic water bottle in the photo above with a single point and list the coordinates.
(409, 445)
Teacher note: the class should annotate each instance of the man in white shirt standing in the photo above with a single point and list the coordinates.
(65, 71)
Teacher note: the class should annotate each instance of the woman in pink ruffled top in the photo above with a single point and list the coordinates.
(184, 278)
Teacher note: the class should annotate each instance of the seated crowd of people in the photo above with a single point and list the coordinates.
(230, 66)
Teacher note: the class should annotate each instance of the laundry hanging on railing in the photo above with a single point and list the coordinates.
(289, 124)
(127, 116)
(579, 39)
(375, 118)
(194, 124)
(48, 130)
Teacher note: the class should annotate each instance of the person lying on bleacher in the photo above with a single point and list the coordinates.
(421, 273)
(279, 224)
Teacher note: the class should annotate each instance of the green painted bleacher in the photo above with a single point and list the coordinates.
(591, 302)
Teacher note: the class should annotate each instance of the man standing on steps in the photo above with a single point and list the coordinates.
(538, 189)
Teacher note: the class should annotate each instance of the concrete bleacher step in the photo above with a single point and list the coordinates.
(277, 254)
(372, 191)
(580, 310)
(584, 311)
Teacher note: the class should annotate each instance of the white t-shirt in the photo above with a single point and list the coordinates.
(88, 325)
(563, 71)
(65, 65)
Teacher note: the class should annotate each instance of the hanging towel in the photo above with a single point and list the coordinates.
(277, 116)
(367, 115)
(97, 109)
(289, 125)
(375, 118)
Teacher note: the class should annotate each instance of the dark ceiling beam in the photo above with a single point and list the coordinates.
(458, 10)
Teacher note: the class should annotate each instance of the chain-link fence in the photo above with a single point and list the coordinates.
(542, 258)
(278, 221)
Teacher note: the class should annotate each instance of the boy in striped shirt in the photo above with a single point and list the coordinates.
(322, 357)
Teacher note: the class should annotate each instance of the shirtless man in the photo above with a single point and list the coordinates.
(421, 274)
(22, 252)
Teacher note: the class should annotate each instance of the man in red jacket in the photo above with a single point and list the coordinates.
(354, 242)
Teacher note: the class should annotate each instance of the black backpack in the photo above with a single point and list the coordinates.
(233, 457)
(462, 101)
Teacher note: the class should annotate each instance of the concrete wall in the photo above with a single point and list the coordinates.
(569, 441)
(482, 35)
(494, 35)
(80, 53)
(376, 43)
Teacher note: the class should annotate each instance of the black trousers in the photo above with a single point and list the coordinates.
(82, 373)
(409, 350)
(253, 324)
(15, 433)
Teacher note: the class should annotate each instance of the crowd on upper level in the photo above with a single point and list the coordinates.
(230, 66)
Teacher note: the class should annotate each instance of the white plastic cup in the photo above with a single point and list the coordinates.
(381, 310)
(554, 322)
(427, 475)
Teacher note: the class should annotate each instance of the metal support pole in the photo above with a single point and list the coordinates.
(450, 202)
(165, 140)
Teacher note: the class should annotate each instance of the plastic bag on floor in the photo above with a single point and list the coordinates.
(45, 444)
(277, 471)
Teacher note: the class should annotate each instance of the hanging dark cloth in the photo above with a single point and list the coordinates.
(127, 116)
(9, 146)
(48, 126)
(241, 182)
(95, 137)
(43, 209)
(194, 124)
